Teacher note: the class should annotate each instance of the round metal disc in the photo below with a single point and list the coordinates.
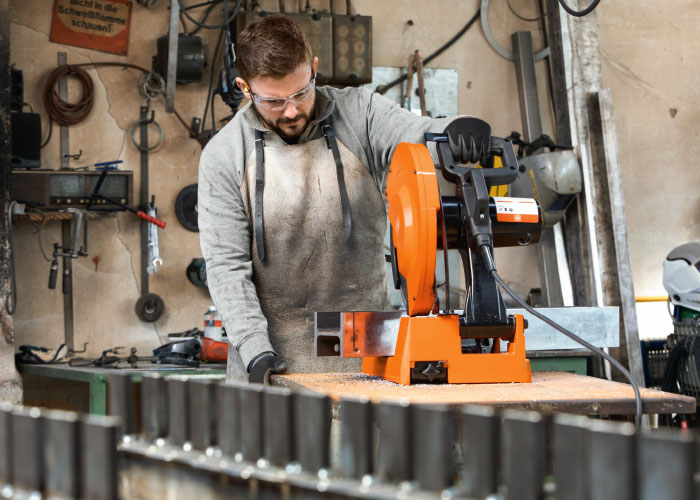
(186, 208)
(414, 203)
(149, 307)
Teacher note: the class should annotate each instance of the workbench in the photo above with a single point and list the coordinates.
(550, 392)
(84, 389)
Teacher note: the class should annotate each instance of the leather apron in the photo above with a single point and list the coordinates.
(308, 264)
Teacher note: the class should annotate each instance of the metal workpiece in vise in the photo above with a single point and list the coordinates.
(429, 342)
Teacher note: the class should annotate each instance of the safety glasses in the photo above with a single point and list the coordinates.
(279, 103)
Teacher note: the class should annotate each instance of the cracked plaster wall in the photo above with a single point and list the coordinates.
(648, 61)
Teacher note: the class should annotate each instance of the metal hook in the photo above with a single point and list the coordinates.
(74, 156)
(151, 119)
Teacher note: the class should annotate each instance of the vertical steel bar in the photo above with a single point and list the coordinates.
(571, 457)
(27, 452)
(523, 454)
(178, 411)
(524, 59)
(312, 428)
(100, 466)
(433, 430)
(202, 422)
(6, 434)
(154, 407)
(228, 418)
(68, 323)
(62, 454)
(143, 198)
(394, 446)
(666, 464)
(480, 444)
(173, 36)
(121, 401)
(356, 437)
(251, 411)
(612, 461)
(278, 425)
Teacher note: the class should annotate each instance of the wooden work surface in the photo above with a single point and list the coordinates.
(549, 392)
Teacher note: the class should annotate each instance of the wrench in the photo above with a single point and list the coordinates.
(153, 250)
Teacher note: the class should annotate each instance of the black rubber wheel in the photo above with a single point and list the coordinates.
(149, 307)
(186, 208)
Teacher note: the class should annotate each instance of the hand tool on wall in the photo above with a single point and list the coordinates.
(153, 250)
(71, 251)
(149, 307)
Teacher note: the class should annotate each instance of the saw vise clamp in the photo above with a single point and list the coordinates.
(430, 342)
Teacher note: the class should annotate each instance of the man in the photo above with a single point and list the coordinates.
(291, 212)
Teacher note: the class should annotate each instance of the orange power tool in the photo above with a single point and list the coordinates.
(429, 341)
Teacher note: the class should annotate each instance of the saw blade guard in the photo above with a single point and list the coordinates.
(414, 205)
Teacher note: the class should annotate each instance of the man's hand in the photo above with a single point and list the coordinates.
(264, 365)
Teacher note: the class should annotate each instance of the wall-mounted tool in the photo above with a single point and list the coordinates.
(343, 44)
(153, 249)
(197, 273)
(73, 251)
(186, 208)
(149, 307)
(190, 58)
(433, 343)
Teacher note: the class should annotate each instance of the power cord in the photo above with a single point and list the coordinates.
(579, 13)
(382, 89)
(210, 26)
(488, 261)
(523, 18)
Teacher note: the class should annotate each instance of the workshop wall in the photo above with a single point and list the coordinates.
(105, 293)
(650, 56)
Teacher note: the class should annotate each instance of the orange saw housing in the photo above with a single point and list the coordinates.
(414, 214)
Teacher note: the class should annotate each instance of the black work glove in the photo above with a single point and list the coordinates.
(470, 139)
(264, 365)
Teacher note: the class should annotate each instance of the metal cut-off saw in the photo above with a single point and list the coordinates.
(429, 342)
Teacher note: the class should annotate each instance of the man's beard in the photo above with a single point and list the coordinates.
(303, 118)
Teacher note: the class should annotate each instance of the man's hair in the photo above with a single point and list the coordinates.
(272, 46)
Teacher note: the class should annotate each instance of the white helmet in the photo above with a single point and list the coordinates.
(682, 275)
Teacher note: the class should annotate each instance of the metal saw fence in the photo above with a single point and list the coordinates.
(172, 438)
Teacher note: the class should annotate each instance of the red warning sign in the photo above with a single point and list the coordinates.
(93, 24)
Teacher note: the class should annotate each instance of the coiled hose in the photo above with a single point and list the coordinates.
(68, 113)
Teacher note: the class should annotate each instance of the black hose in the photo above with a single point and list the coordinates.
(488, 258)
(579, 13)
(211, 26)
(382, 89)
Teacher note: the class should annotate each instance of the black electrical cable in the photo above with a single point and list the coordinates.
(488, 260)
(205, 16)
(382, 89)
(211, 26)
(579, 13)
(212, 72)
(523, 18)
(67, 113)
